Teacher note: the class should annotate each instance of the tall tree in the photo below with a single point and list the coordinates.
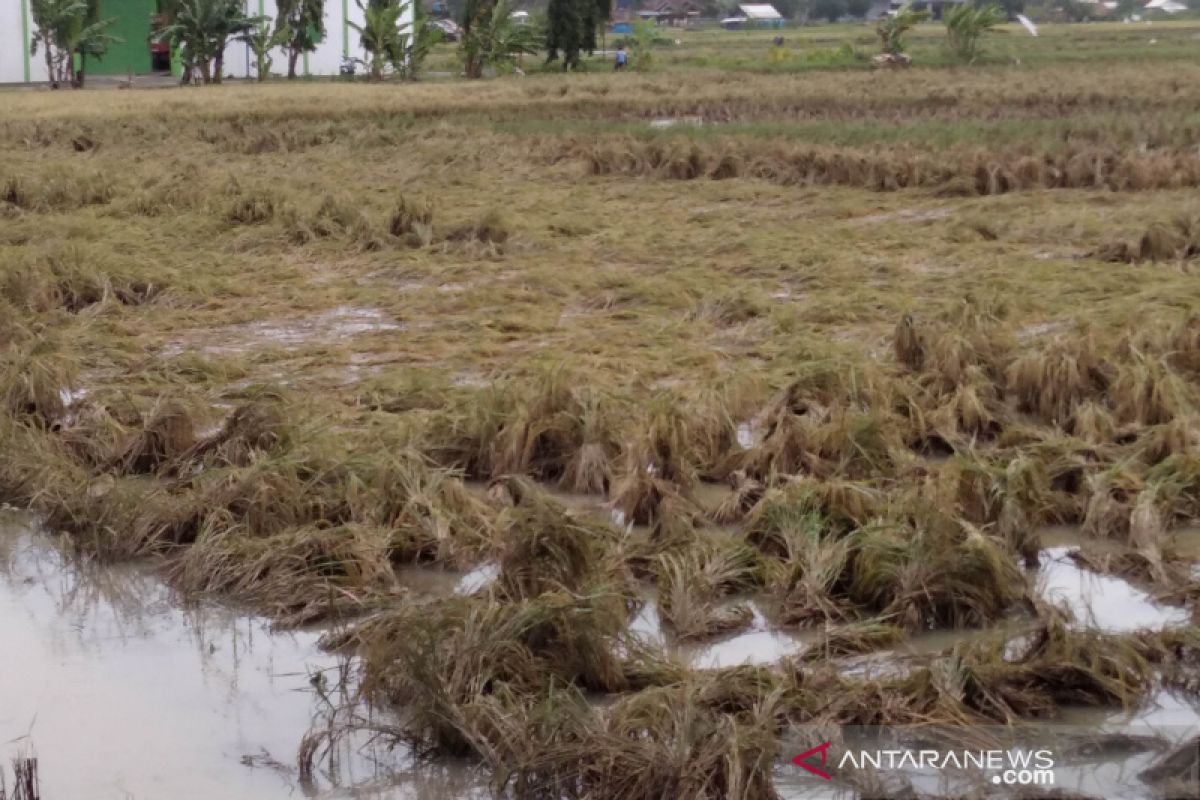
(301, 26)
(571, 28)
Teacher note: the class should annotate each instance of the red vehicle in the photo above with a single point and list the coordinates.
(160, 52)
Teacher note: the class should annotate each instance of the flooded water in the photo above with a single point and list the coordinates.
(289, 333)
(435, 582)
(122, 693)
(1097, 601)
(761, 644)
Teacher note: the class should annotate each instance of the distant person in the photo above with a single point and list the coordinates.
(622, 59)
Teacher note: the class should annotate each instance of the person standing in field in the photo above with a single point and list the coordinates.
(622, 59)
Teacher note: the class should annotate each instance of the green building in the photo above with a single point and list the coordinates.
(133, 25)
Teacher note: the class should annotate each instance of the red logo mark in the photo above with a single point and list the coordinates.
(801, 760)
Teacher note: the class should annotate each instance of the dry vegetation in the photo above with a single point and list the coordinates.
(281, 337)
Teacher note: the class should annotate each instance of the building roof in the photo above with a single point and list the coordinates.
(673, 7)
(759, 11)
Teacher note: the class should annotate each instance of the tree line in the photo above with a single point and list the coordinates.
(69, 32)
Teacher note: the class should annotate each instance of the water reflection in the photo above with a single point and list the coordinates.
(124, 692)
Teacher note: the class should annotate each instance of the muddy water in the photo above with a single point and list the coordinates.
(1101, 601)
(123, 693)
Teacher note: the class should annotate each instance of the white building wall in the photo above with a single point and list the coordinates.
(340, 40)
(13, 44)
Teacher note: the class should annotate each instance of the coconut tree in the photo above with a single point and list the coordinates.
(65, 30)
(966, 25)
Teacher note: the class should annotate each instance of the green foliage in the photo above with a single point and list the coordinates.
(831, 10)
(201, 29)
(1077, 10)
(300, 27)
(858, 8)
(261, 39)
(891, 29)
(389, 40)
(380, 35)
(966, 24)
(571, 28)
(491, 39)
(645, 35)
(65, 29)
(418, 46)
(780, 55)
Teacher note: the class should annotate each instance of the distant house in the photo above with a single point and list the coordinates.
(934, 7)
(761, 15)
(672, 12)
(1166, 6)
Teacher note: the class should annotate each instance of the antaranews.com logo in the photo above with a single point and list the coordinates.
(1016, 767)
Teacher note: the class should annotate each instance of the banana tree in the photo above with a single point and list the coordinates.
(261, 39)
(201, 29)
(417, 44)
(380, 34)
(966, 25)
(490, 38)
(891, 29)
(66, 30)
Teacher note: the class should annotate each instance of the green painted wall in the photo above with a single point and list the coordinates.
(133, 25)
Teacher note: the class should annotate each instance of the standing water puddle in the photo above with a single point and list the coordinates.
(122, 693)
(759, 645)
(1100, 601)
(291, 333)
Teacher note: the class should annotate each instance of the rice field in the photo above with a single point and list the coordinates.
(617, 427)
